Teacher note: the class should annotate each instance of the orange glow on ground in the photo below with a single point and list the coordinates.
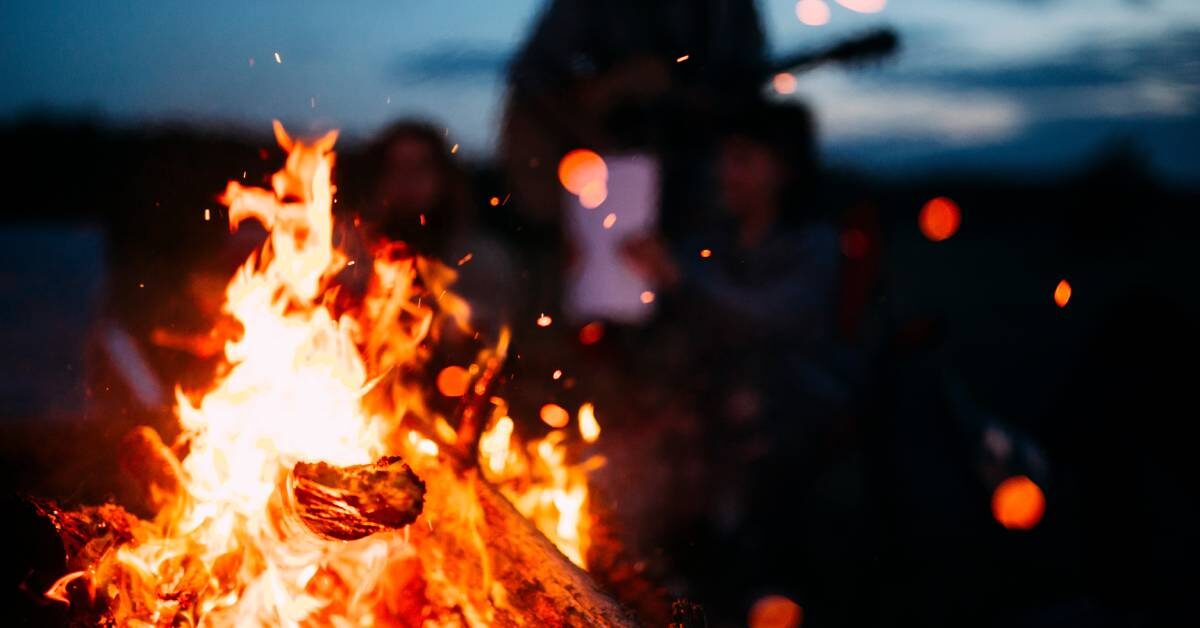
(775, 611)
(591, 333)
(1018, 503)
(939, 219)
(580, 167)
(555, 415)
(812, 12)
(453, 381)
(784, 83)
(1062, 293)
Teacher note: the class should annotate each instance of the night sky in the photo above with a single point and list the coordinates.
(1013, 86)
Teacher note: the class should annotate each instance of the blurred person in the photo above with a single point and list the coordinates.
(419, 195)
(622, 77)
(757, 293)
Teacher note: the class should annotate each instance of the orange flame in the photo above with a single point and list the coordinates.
(306, 382)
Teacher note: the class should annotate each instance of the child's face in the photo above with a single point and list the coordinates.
(750, 176)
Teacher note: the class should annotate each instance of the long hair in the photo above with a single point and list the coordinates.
(789, 131)
(451, 213)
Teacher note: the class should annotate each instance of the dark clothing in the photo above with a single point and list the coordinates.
(581, 39)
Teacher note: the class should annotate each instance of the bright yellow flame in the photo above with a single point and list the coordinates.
(299, 385)
(589, 427)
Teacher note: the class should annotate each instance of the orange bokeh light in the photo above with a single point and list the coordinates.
(812, 12)
(775, 611)
(555, 415)
(580, 167)
(1018, 503)
(647, 297)
(939, 219)
(453, 381)
(864, 6)
(591, 333)
(1062, 293)
(854, 243)
(706, 253)
(784, 83)
(544, 320)
(593, 194)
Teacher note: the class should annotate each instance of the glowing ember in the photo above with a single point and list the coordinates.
(1062, 293)
(775, 611)
(812, 12)
(784, 83)
(939, 219)
(555, 415)
(706, 253)
(453, 381)
(579, 168)
(279, 455)
(864, 6)
(854, 243)
(591, 333)
(589, 427)
(593, 194)
(1018, 503)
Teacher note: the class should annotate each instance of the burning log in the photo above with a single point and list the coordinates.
(153, 466)
(522, 574)
(348, 503)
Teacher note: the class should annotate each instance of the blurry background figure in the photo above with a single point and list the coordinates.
(624, 76)
(760, 283)
(416, 193)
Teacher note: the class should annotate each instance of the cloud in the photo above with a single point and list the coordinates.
(853, 110)
(451, 61)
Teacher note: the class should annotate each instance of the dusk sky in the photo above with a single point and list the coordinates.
(1011, 85)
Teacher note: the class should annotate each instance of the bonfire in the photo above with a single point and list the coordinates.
(313, 483)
